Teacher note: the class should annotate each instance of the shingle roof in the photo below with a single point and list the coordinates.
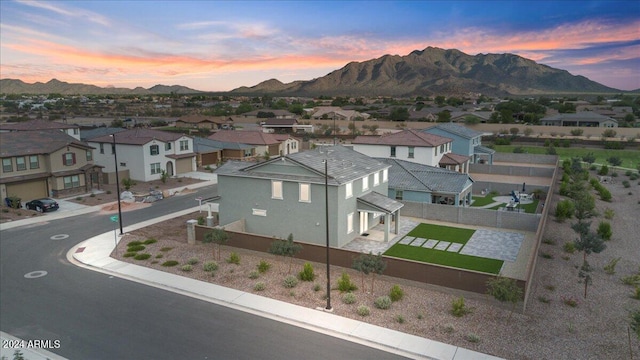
(456, 129)
(404, 138)
(202, 145)
(36, 142)
(381, 202)
(405, 175)
(36, 125)
(345, 165)
(245, 137)
(139, 136)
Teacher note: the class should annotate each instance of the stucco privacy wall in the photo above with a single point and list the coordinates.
(504, 188)
(512, 170)
(525, 158)
(471, 216)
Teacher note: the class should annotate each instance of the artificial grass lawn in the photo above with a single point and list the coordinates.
(629, 157)
(446, 258)
(482, 200)
(439, 232)
(439, 257)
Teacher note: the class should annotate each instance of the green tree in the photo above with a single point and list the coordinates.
(505, 290)
(399, 114)
(244, 108)
(585, 275)
(439, 100)
(369, 264)
(444, 116)
(589, 158)
(217, 236)
(614, 161)
(285, 248)
(588, 242)
(584, 204)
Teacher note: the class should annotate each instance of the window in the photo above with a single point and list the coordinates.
(154, 149)
(7, 165)
(365, 183)
(113, 149)
(436, 150)
(442, 148)
(76, 131)
(123, 164)
(167, 146)
(71, 182)
(385, 175)
(68, 159)
(399, 194)
(349, 190)
(248, 152)
(305, 192)
(89, 155)
(276, 190)
(155, 168)
(20, 163)
(259, 212)
(393, 151)
(411, 151)
(376, 179)
(33, 162)
(184, 145)
(101, 148)
(349, 223)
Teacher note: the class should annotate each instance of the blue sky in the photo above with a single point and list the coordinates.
(221, 45)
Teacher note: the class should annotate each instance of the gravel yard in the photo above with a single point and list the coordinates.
(595, 329)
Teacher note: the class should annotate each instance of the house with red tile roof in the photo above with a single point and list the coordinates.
(41, 125)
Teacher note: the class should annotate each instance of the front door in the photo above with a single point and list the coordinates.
(364, 222)
(169, 168)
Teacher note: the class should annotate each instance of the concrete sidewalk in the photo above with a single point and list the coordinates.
(94, 254)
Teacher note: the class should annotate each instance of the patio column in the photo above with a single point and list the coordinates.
(387, 226)
(397, 225)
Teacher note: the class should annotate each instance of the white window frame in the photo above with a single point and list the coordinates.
(167, 146)
(376, 178)
(155, 168)
(385, 175)
(411, 151)
(277, 190)
(32, 163)
(303, 198)
(349, 190)
(259, 212)
(184, 145)
(365, 183)
(154, 150)
(350, 223)
(21, 163)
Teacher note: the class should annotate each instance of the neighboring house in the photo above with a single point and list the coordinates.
(290, 126)
(411, 145)
(37, 125)
(208, 152)
(286, 195)
(581, 119)
(466, 142)
(198, 122)
(263, 142)
(38, 164)
(337, 113)
(288, 144)
(280, 114)
(144, 154)
(474, 116)
(88, 134)
(409, 181)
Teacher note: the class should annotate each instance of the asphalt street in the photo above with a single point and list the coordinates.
(98, 316)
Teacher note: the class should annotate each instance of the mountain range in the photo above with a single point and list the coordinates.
(422, 72)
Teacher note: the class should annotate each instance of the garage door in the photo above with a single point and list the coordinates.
(184, 165)
(29, 190)
(210, 159)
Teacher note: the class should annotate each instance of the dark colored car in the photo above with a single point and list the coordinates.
(42, 205)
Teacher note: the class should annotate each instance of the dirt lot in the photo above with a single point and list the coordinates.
(595, 329)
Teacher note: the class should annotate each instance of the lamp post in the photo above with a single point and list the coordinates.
(115, 157)
(326, 199)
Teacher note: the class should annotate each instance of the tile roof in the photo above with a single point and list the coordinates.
(453, 159)
(36, 142)
(139, 136)
(86, 135)
(196, 118)
(36, 125)
(405, 175)
(456, 129)
(278, 121)
(408, 137)
(245, 137)
(202, 145)
(345, 165)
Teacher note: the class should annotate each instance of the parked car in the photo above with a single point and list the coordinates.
(42, 205)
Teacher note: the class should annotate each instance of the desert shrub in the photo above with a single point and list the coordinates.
(604, 170)
(551, 151)
(396, 293)
(609, 213)
(544, 299)
(473, 338)
(564, 210)
(458, 307)
(449, 329)
(349, 298)
(317, 287)
(631, 279)
(192, 261)
(170, 263)
(636, 293)
(150, 241)
(518, 150)
(210, 266)
(577, 132)
(187, 268)
(142, 256)
(134, 243)
(290, 282)
(610, 268)
(548, 241)
(136, 248)
(254, 275)
(165, 249)
(345, 284)
(259, 286)
(569, 247)
(263, 266)
(234, 258)
(159, 256)
(400, 319)
(129, 254)
(570, 301)
(550, 287)
(626, 184)
(604, 230)
(363, 310)
(546, 255)
(307, 273)
(383, 302)
(201, 220)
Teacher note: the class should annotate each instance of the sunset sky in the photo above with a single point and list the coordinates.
(222, 45)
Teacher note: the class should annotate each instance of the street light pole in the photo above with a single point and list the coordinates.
(326, 199)
(115, 157)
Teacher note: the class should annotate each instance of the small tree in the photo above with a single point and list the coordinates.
(285, 248)
(614, 160)
(505, 290)
(588, 242)
(217, 236)
(585, 274)
(589, 158)
(369, 264)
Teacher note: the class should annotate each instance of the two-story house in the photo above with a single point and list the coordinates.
(286, 195)
(38, 164)
(466, 142)
(42, 125)
(144, 154)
